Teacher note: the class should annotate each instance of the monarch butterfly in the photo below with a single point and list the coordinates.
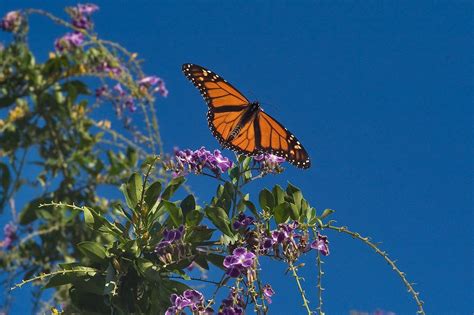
(241, 125)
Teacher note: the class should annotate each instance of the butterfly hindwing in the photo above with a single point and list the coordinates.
(277, 140)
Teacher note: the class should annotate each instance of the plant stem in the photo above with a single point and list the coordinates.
(300, 287)
(401, 274)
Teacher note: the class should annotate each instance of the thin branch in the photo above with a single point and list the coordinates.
(59, 272)
(300, 287)
(384, 255)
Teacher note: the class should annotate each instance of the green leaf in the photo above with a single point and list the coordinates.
(216, 260)
(278, 194)
(201, 261)
(234, 173)
(132, 156)
(290, 189)
(294, 211)
(199, 234)
(93, 250)
(297, 198)
(281, 212)
(194, 217)
(246, 163)
(152, 196)
(88, 217)
(134, 189)
(326, 213)
(311, 215)
(188, 204)
(176, 214)
(219, 191)
(228, 190)
(220, 219)
(252, 207)
(266, 200)
(172, 187)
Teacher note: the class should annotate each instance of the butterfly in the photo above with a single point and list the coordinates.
(241, 125)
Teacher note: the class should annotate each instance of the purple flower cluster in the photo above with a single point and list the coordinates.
(9, 231)
(124, 100)
(286, 233)
(233, 305)
(169, 237)
(12, 21)
(268, 293)
(191, 299)
(107, 67)
(269, 163)
(239, 262)
(321, 244)
(292, 241)
(69, 41)
(154, 82)
(242, 221)
(81, 15)
(269, 158)
(196, 161)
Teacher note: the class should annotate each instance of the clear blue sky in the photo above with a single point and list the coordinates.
(379, 92)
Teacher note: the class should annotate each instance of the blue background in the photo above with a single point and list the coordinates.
(379, 93)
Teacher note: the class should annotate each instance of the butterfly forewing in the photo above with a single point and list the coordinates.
(214, 89)
(227, 109)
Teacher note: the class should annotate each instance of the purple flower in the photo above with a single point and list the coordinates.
(82, 22)
(233, 305)
(118, 88)
(242, 221)
(169, 237)
(69, 41)
(269, 158)
(9, 231)
(154, 81)
(149, 81)
(123, 100)
(239, 262)
(285, 233)
(101, 91)
(108, 68)
(269, 163)
(190, 298)
(12, 21)
(268, 293)
(130, 103)
(221, 162)
(321, 244)
(81, 15)
(161, 89)
(196, 161)
(87, 8)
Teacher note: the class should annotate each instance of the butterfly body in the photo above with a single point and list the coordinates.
(241, 125)
(248, 115)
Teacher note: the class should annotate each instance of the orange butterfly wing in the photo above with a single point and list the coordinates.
(275, 139)
(226, 104)
(216, 91)
(227, 108)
